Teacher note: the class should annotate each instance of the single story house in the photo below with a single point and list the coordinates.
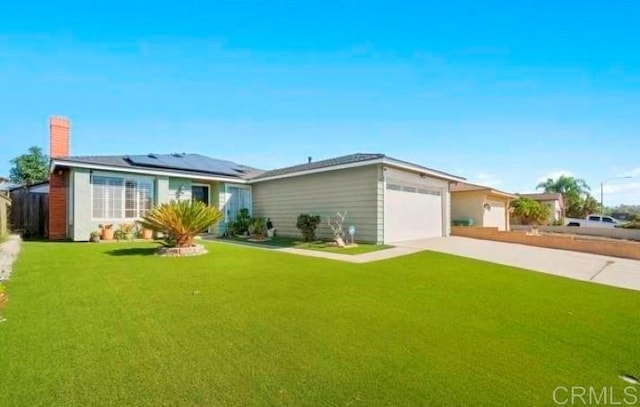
(386, 199)
(41, 187)
(485, 206)
(4, 184)
(553, 200)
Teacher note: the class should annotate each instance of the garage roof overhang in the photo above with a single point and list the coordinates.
(469, 187)
(387, 161)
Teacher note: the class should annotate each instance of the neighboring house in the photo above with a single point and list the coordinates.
(385, 199)
(487, 207)
(552, 200)
(37, 188)
(4, 184)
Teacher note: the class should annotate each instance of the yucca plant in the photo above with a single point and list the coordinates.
(181, 221)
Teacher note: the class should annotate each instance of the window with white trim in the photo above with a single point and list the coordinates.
(114, 197)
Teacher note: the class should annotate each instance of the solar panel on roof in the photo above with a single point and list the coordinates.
(188, 162)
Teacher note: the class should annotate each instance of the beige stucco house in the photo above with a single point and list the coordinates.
(552, 200)
(487, 207)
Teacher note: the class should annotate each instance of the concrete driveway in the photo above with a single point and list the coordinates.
(580, 266)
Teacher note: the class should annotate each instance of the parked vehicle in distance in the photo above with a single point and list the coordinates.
(594, 221)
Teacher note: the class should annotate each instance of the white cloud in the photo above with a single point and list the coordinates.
(620, 192)
(630, 187)
(633, 173)
(555, 175)
(487, 179)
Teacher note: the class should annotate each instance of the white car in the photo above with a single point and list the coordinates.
(594, 221)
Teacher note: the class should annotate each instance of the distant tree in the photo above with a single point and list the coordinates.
(574, 191)
(530, 212)
(624, 212)
(30, 168)
(565, 185)
(584, 207)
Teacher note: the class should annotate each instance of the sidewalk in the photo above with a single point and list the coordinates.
(349, 258)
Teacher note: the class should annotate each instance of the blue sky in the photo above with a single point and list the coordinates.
(503, 93)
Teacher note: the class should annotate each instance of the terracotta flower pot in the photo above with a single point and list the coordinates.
(107, 234)
(147, 234)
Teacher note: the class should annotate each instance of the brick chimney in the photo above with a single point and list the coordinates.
(58, 137)
(58, 147)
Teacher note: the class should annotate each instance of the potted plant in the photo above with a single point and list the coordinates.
(146, 234)
(257, 228)
(243, 219)
(127, 231)
(271, 230)
(106, 232)
(95, 236)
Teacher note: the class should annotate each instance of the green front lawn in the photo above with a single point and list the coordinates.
(319, 245)
(98, 324)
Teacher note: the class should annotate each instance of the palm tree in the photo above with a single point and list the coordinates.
(565, 185)
(572, 190)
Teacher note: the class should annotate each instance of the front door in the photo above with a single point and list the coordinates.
(200, 193)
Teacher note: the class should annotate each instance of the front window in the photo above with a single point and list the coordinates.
(120, 197)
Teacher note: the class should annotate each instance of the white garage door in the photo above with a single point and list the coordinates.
(412, 212)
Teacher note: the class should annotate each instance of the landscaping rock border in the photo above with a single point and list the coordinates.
(8, 254)
(194, 250)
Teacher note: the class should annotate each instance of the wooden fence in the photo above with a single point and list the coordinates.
(5, 204)
(29, 214)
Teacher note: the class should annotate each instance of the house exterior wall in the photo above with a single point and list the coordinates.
(81, 223)
(161, 192)
(471, 204)
(355, 190)
(179, 189)
(496, 216)
(468, 204)
(380, 191)
(556, 210)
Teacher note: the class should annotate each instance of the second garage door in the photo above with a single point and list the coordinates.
(412, 212)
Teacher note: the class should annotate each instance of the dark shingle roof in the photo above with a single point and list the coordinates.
(196, 164)
(331, 162)
(188, 164)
